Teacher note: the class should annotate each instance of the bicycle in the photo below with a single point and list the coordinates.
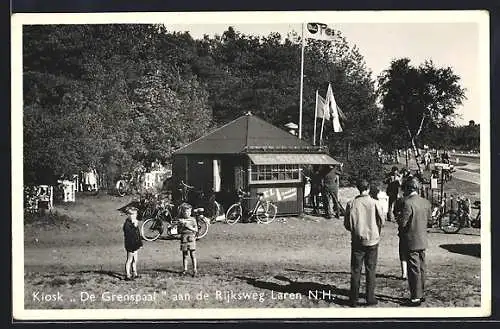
(153, 228)
(452, 221)
(199, 198)
(264, 211)
(128, 184)
(149, 205)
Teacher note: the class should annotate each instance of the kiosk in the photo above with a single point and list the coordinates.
(253, 155)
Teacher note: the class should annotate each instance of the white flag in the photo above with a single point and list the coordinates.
(318, 31)
(321, 108)
(332, 107)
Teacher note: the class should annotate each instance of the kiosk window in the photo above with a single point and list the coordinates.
(275, 173)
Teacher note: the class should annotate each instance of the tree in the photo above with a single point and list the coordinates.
(110, 95)
(418, 99)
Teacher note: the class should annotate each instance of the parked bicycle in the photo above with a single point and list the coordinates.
(264, 211)
(149, 205)
(128, 184)
(164, 222)
(453, 220)
(199, 198)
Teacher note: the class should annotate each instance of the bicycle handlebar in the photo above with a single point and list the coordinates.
(186, 186)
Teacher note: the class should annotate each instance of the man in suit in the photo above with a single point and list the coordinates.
(364, 218)
(416, 211)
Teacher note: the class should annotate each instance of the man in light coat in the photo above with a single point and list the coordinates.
(364, 218)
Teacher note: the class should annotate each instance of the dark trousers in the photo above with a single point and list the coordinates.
(368, 256)
(315, 201)
(416, 273)
(330, 201)
(392, 199)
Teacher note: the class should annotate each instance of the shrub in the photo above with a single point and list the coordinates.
(362, 163)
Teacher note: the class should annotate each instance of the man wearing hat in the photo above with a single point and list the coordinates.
(331, 192)
(133, 242)
(415, 214)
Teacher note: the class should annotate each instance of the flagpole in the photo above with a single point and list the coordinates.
(315, 118)
(301, 82)
(321, 132)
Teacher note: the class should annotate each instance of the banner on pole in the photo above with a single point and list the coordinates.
(319, 31)
(333, 109)
(321, 109)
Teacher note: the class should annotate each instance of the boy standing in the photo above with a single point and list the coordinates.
(188, 229)
(133, 242)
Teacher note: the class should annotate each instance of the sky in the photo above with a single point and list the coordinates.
(456, 39)
(448, 44)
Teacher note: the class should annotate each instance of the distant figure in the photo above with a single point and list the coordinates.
(90, 179)
(445, 157)
(403, 255)
(364, 218)
(133, 242)
(427, 160)
(381, 196)
(393, 182)
(316, 187)
(415, 214)
(330, 192)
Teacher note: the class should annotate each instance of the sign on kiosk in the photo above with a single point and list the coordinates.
(277, 194)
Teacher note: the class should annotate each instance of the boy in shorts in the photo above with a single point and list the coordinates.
(133, 242)
(188, 229)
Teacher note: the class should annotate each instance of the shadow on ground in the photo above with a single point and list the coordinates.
(471, 249)
(314, 290)
(108, 273)
(378, 275)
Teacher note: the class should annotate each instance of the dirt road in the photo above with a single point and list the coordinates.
(86, 252)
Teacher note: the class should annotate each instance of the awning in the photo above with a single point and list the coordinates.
(288, 158)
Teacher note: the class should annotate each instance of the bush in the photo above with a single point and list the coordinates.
(362, 163)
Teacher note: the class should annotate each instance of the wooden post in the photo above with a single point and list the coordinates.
(442, 185)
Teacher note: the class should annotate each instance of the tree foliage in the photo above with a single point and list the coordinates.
(417, 101)
(120, 95)
(109, 95)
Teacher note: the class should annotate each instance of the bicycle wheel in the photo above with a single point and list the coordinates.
(151, 229)
(121, 188)
(216, 212)
(202, 227)
(266, 212)
(233, 214)
(449, 222)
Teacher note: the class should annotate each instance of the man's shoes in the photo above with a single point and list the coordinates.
(135, 276)
(129, 278)
(372, 302)
(414, 302)
(353, 303)
(183, 273)
(195, 273)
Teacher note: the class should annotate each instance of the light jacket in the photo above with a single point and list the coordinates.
(364, 218)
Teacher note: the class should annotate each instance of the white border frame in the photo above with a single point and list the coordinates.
(18, 20)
